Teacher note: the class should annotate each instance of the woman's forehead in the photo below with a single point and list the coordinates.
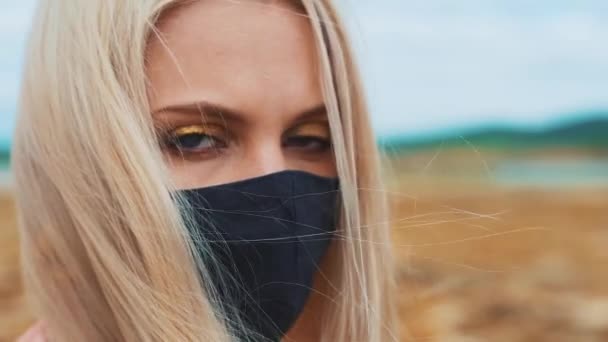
(250, 55)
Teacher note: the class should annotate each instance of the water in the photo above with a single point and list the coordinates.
(552, 173)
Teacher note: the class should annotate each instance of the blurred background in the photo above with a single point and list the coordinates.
(493, 116)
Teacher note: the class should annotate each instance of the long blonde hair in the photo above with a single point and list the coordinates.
(105, 249)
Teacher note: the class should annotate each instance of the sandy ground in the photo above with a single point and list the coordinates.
(476, 262)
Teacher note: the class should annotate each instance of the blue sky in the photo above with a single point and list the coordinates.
(14, 22)
(443, 64)
(434, 65)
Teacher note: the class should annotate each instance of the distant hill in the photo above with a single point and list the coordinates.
(5, 149)
(4, 156)
(589, 134)
(4, 159)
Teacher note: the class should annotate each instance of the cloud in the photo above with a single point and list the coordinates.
(434, 64)
(437, 64)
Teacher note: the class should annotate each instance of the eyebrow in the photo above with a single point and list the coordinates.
(208, 108)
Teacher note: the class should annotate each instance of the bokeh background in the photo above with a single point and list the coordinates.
(493, 116)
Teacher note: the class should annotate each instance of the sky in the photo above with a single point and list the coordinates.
(436, 65)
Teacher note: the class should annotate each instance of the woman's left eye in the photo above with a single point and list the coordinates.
(308, 143)
(311, 137)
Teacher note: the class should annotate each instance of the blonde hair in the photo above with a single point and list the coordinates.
(106, 250)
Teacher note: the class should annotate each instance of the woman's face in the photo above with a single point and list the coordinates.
(235, 93)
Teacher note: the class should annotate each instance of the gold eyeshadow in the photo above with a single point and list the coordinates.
(213, 137)
(312, 129)
(210, 130)
(199, 140)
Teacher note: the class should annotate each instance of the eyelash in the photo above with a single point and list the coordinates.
(301, 143)
(174, 140)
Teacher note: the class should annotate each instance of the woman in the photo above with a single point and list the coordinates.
(177, 167)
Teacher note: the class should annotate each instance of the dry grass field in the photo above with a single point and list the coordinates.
(480, 263)
(14, 316)
(476, 262)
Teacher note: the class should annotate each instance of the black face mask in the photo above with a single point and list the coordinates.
(269, 234)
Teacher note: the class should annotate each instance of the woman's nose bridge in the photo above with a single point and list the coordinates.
(266, 156)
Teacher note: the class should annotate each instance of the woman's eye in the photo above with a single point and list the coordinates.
(308, 143)
(190, 140)
(309, 138)
(194, 142)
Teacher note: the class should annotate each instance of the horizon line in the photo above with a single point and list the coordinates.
(565, 120)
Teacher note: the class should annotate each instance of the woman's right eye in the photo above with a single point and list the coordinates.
(192, 140)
